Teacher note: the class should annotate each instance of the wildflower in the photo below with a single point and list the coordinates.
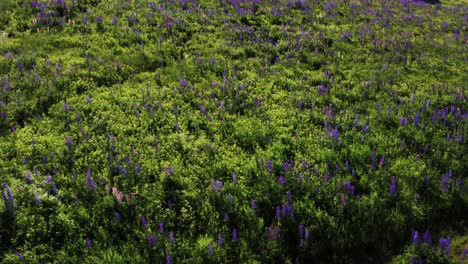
(219, 186)
(20, 256)
(220, 240)
(281, 180)
(29, 177)
(270, 166)
(54, 189)
(343, 200)
(325, 177)
(347, 36)
(254, 204)
(143, 222)
(69, 142)
(366, 128)
(151, 239)
(403, 121)
(88, 242)
(37, 199)
(415, 237)
(161, 227)
(234, 235)
(382, 161)
(416, 119)
(393, 187)
(444, 245)
(117, 215)
(427, 238)
(171, 237)
(210, 250)
(10, 195)
(334, 134)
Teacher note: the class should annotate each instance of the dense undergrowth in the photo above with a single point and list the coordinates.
(233, 131)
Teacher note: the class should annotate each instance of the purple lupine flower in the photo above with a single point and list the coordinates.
(415, 237)
(37, 199)
(29, 177)
(168, 259)
(416, 119)
(427, 237)
(171, 237)
(143, 222)
(220, 240)
(286, 166)
(254, 204)
(5, 200)
(463, 256)
(229, 198)
(152, 240)
(334, 134)
(403, 121)
(88, 242)
(210, 250)
(382, 161)
(444, 245)
(278, 213)
(117, 215)
(219, 185)
(69, 142)
(281, 180)
(270, 233)
(325, 177)
(393, 187)
(366, 127)
(306, 234)
(13, 129)
(234, 235)
(20, 256)
(182, 82)
(10, 195)
(54, 189)
(161, 227)
(356, 120)
(343, 200)
(300, 105)
(270, 166)
(347, 36)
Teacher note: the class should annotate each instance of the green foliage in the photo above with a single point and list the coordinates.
(323, 132)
